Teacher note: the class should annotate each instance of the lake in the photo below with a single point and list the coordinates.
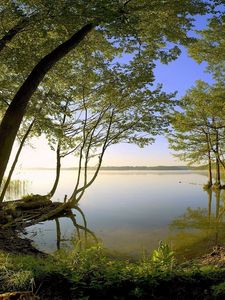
(131, 211)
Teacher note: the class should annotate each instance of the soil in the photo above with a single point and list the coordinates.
(215, 258)
(11, 242)
(15, 216)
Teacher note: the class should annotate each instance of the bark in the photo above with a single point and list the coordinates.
(30, 205)
(210, 172)
(78, 192)
(218, 181)
(17, 108)
(58, 169)
(209, 162)
(58, 158)
(49, 215)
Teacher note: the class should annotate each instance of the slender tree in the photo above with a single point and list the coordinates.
(199, 127)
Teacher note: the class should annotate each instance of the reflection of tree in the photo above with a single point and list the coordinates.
(58, 233)
(16, 189)
(202, 228)
(79, 228)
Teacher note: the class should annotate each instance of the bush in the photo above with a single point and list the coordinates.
(94, 274)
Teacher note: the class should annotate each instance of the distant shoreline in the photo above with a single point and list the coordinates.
(131, 168)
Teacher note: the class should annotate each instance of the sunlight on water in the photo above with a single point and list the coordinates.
(130, 211)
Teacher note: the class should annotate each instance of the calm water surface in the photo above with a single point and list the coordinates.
(131, 211)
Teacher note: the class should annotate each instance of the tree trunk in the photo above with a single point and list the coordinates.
(58, 157)
(218, 181)
(58, 168)
(218, 173)
(17, 108)
(14, 31)
(209, 172)
(209, 162)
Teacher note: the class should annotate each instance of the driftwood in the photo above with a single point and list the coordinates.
(16, 216)
(33, 204)
(29, 211)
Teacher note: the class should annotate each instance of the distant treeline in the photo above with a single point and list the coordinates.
(135, 168)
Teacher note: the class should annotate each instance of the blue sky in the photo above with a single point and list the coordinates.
(179, 76)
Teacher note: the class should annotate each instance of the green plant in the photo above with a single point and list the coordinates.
(163, 257)
(218, 291)
(19, 280)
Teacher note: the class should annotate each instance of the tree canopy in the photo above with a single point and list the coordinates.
(198, 127)
(38, 39)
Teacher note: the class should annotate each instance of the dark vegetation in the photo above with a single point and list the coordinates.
(95, 274)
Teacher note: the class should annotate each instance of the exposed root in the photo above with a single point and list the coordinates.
(29, 211)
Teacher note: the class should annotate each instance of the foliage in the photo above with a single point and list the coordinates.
(219, 291)
(209, 47)
(163, 257)
(94, 271)
(198, 126)
(145, 33)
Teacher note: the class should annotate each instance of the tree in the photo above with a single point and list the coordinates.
(128, 27)
(190, 143)
(199, 127)
(209, 47)
(135, 115)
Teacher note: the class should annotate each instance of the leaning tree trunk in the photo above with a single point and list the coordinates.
(17, 108)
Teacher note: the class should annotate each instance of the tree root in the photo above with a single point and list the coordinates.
(29, 211)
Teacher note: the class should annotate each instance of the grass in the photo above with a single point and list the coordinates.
(94, 274)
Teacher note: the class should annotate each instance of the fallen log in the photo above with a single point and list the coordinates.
(33, 204)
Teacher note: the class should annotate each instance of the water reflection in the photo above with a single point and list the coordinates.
(16, 189)
(80, 235)
(131, 211)
(199, 230)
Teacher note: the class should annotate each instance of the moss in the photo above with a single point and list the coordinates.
(32, 197)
